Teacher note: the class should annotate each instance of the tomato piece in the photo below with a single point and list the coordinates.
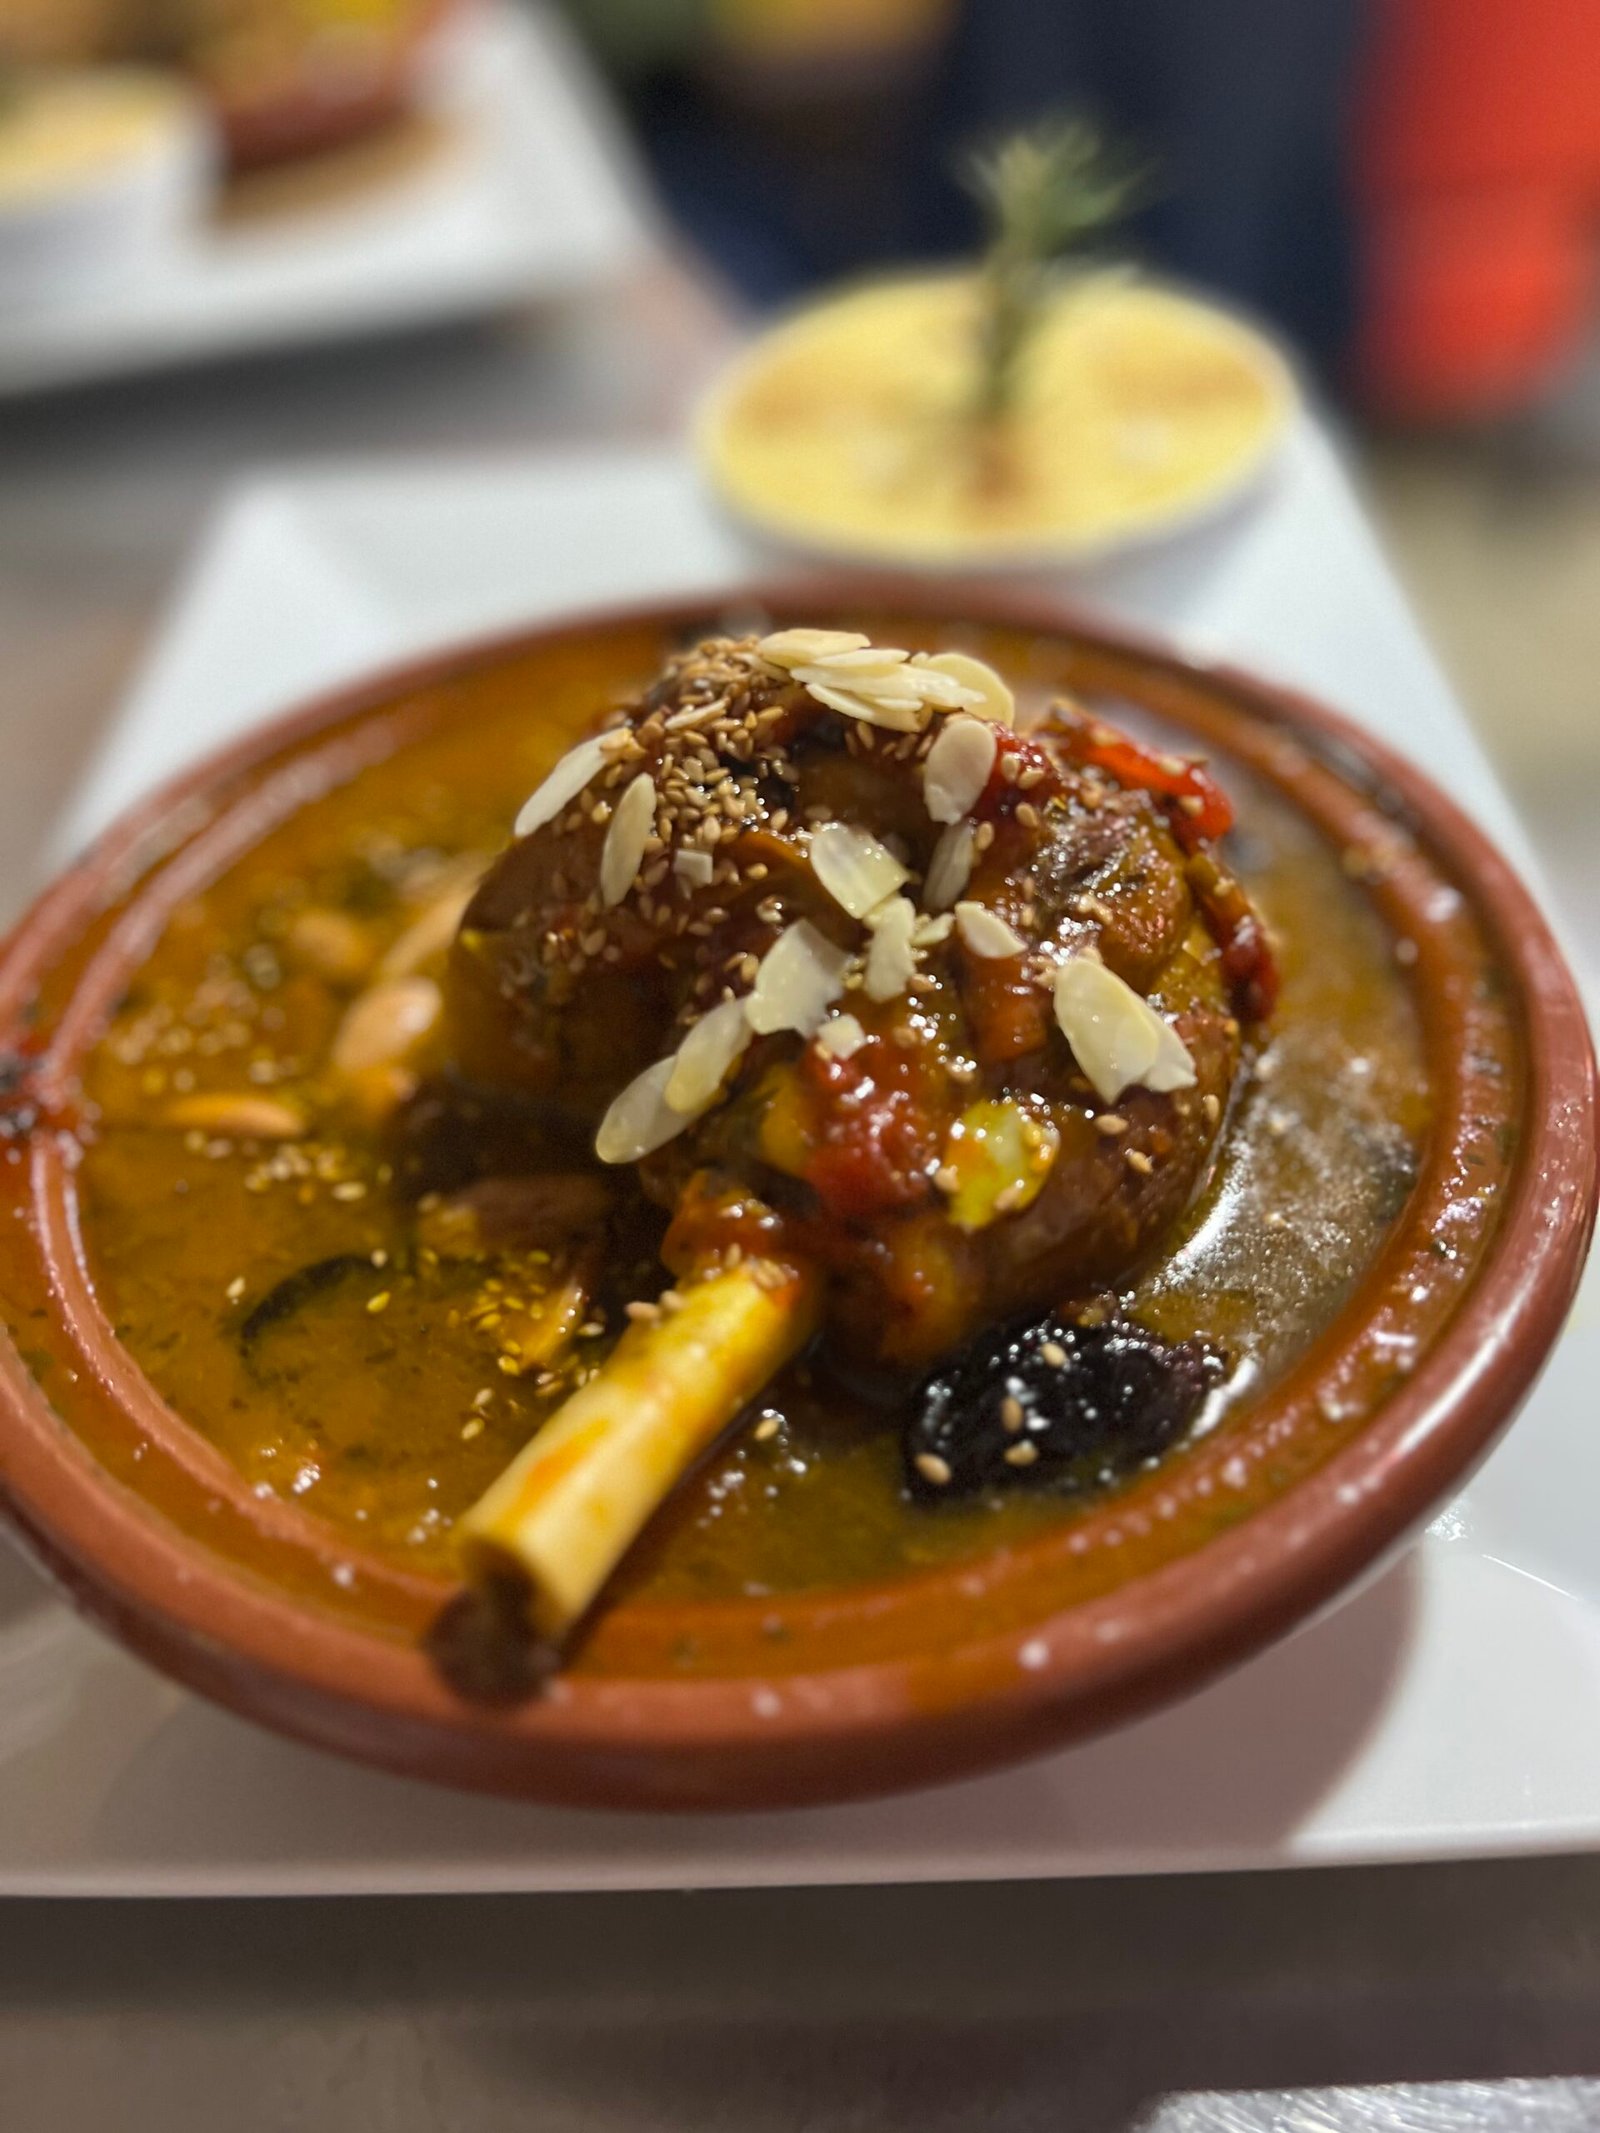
(1200, 810)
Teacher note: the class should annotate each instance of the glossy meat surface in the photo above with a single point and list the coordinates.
(952, 1164)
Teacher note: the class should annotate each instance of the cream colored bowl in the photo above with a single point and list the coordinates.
(103, 174)
(847, 430)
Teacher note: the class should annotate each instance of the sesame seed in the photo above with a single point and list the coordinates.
(1011, 1413)
(378, 1303)
(643, 1313)
(1027, 814)
(983, 837)
(766, 1429)
(1112, 1124)
(235, 1288)
(1191, 803)
(1021, 1454)
(947, 1177)
(1136, 1159)
(932, 1468)
(1211, 1105)
(1054, 1354)
(472, 1427)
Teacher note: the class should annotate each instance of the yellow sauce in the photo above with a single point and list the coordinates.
(850, 427)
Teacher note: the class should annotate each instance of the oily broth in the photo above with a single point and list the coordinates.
(389, 1421)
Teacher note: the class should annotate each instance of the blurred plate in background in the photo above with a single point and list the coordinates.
(1451, 1709)
(510, 181)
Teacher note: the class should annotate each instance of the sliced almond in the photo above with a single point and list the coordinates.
(428, 935)
(640, 1118)
(897, 717)
(386, 1022)
(986, 932)
(569, 777)
(695, 867)
(950, 868)
(931, 932)
(958, 767)
(982, 689)
(800, 977)
(1117, 1037)
(243, 1115)
(891, 959)
(792, 648)
(863, 658)
(627, 833)
(705, 1055)
(856, 870)
(841, 1036)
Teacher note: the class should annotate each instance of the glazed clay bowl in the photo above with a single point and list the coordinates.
(866, 1688)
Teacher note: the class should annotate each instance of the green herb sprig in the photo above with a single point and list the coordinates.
(1045, 193)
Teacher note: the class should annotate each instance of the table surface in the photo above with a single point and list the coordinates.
(1083, 2006)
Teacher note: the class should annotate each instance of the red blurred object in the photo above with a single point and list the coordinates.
(1478, 166)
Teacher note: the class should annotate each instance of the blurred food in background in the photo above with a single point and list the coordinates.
(1039, 406)
(1405, 188)
(283, 78)
(1477, 163)
(103, 174)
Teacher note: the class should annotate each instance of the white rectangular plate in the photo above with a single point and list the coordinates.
(1452, 1708)
(529, 194)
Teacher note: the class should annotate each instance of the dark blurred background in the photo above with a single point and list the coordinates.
(1407, 188)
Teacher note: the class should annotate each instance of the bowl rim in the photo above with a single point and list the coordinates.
(1229, 489)
(884, 1724)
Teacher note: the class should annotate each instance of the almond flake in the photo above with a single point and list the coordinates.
(800, 977)
(986, 932)
(705, 1055)
(856, 870)
(694, 867)
(931, 932)
(862, 658)
(891, 959)
(878, 684)
(791, 648)
(958, 767)
(950, 868)
(626, 836)
(640, 1118)
(565, 782)
(841, 1037)
(1117, 1037)
(981, 688)
(898, 717)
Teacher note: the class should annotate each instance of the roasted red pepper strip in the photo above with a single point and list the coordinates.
(1247, 959)
(1200, 809)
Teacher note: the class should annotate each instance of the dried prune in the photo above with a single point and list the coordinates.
(1064, 1403)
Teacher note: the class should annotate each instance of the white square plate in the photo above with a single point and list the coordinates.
(1451, 1708)
(528, 193)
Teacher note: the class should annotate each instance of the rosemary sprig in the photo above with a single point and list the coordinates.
(1044, 192)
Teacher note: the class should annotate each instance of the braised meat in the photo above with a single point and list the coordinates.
(862, 977)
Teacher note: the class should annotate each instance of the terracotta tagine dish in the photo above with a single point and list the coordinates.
(772, 1199)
